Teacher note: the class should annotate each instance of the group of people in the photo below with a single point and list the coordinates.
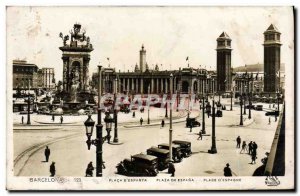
(250, 148)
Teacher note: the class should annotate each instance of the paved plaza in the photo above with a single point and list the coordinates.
(69, 150)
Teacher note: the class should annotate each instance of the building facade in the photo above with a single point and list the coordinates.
(46, 78)
(185, 80)
(25, 75)
(224, 72)
(271, 59)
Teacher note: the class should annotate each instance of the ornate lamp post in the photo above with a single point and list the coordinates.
(213, 149)
(241, 116)
(98, 142)
(170, 129)
(116, 139)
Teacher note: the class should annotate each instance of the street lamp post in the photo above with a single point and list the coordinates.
(99, 127)
(250, 104)
(231, 100)
(278, 97)
(170, 130)
(213, 149)
(245, 103)
(203, 116)
(166, 115)
(116, 139)
(241, 116)
(148, 122)
(28, 104)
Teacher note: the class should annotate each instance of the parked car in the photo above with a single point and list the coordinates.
(252, 107)
(185, 147)
(176, 151)
(192, 122)
(272, 113)
(138, 165)
(162, 155)
(259, 107)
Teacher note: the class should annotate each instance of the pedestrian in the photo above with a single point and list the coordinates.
(171, 169)
(52, 169)
(89, 170)
(250, 147)
(141, 121)
(253, 157)
(162, 123)
(254, 149)
(244, 147)
(22, 119)
(275, 118)
(238, 142)
(269, 120)
(133, 114)
(61, 119)
(47, 153)
(227, 171)
(200, 135)
(53, 118)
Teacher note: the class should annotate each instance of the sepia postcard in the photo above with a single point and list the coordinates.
(150, 98)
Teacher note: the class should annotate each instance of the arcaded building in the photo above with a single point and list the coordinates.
(142, 79)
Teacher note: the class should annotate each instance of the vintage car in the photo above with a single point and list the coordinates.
(192, 122)
(185, 147)
(138, 165)
(176, 151)
(162, 155)
(272, 113)
(250, 106)
(259, 107)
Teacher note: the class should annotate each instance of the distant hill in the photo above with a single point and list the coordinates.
(254, 68)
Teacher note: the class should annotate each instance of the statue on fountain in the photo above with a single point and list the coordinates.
(75, 85)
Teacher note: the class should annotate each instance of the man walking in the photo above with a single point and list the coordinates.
(238, 142)
(133, 114)
(141, 121)
(52, 169)
(200, 135)
(53, 118)
(250, 147)
(253, 157)
(22, 119)
(269, 120)
(162, 123)
(254, 149)
(244, 147)
(47, 153)
(227, 171)
(61, 119)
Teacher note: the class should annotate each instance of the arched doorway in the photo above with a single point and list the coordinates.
(185, 87)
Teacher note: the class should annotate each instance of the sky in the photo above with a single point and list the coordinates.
(169, 34)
